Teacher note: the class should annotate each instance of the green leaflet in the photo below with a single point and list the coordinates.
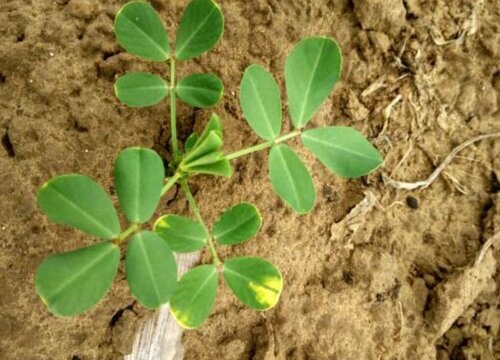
(200, 90)
(71, 283)
(200, 29)
(212, 125)
(139, 175)
(255, 281)
(290, 179)
(140, 89)
(194, 296)
(182, 234)
(78, 201)
(238, 224)
(151, 269)
(312, 70)
(139, 30)
(261, 102)
(343, 150)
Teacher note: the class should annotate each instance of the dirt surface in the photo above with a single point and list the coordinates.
(395, 279)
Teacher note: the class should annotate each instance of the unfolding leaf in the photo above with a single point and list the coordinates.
(212, 125)
(78, 201)
(261, 102)
(312, 70)
(343, 150)
(290, 179)
(181, 233)
(194, 296)
(208, 146)
(191, 141)
(200, 90)
(139, 175)
(238, 224)
(255, 281)
(200, 29)
(139, 30)
(219, 168)
(140, 89)
(71, 283)
(151, 269)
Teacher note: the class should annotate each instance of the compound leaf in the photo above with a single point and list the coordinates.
(343, 150)
(194, 296)
(261, 102)
(139, 175)
(312, 70)
(238, 224)
(71, 283)
(291, 179)
(200, 90)
(151, 269)
(78, 201)
(182, 234)
(255, 281)
(200, 29)
(140, 89)
(139, 30)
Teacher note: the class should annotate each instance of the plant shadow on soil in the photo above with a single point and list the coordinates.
(391, 285)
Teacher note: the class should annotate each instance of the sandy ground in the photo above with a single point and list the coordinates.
(397, 281)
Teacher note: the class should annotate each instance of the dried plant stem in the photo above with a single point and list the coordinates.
(434, 175)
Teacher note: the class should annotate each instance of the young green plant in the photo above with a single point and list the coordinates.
(72, 282)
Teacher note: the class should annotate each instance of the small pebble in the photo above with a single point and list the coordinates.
(412, 202)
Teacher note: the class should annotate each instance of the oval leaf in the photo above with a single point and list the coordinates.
(151, 269)
(194, 296)
(140, 89)
(261, 102)
(78, 201)
(237, 225)
(290, 179)
(200, 90)
(139, 30)
(255, 281)
(200, 29)
(182, 234)
(312, 70)
(71, 283)
(343, 150)
(139, 175)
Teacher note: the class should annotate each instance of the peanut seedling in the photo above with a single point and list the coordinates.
(71, 283)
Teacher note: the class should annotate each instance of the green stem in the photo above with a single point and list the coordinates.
(263, 145)
(127, 232)
(170, 182)
(196, 211)
(173, 124)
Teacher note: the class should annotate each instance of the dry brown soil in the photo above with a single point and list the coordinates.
(396, 282)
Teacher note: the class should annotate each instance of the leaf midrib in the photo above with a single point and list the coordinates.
(195, 32)
(78, 274)
(309, 86)
(156, 45)
(289, 175)
(239, 225)
(85, 214)
(336, 146)
(149, 268)
(263, 108)
(237, 274)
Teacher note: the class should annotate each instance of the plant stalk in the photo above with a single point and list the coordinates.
(127, 232)
(173, 115)
(263, 145)
(170, 182)
(196, 211)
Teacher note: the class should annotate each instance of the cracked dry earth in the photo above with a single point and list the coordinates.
(390, 278)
